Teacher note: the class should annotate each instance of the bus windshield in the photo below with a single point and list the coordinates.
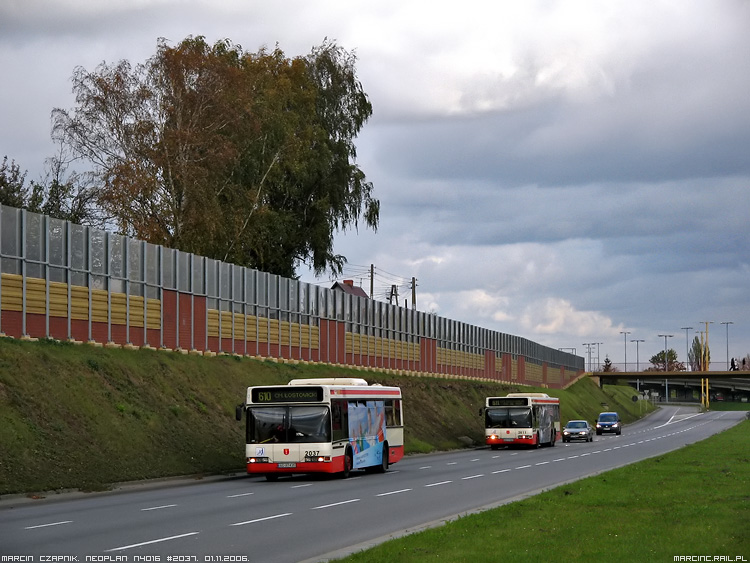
(291, 424)
(508, 418)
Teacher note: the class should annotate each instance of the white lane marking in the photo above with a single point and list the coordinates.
(240, 495)
(573, 457)
(46, 525)
(523, 467)
(262, 519)
(440, 483)
(158, 507)
(475, 459)
(300, 486)
(335, 504)
(393, 493)
(501, 471)
(472, 477)
(559, 459)
(426, 467)
(452, 463)
(542, 463)
(681, 419)
(152, 541)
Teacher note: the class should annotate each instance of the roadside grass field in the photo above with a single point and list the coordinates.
(691, 502)
(727, 406)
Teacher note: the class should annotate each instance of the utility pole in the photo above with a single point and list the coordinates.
(372, 281)
(413, 292)
(394, 294)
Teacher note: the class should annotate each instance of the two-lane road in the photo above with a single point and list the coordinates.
(301, 518)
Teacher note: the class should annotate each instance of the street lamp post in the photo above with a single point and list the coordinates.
(598, 357)
(727, 323)
(666, 363)
(588, 351)
(687, 353)
(637, 364)
(705, 351)
(625, 335)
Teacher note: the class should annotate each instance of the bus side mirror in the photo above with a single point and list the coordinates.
(480, 411)
(238, 411)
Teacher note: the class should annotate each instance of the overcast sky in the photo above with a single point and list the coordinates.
(562, 171)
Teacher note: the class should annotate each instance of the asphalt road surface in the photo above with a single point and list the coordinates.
(303, 518)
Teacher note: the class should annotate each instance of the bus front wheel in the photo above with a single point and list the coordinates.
(347, 464)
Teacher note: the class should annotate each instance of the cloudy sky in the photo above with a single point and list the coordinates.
(563, 171)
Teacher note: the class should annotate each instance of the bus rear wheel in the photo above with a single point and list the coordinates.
(383, 467)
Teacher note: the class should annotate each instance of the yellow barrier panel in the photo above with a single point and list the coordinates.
(12, 292)
(36, 299)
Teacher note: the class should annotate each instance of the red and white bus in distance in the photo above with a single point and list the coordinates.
(328, 425)
(531, 419)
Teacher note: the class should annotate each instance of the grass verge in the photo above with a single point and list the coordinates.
(690, 502)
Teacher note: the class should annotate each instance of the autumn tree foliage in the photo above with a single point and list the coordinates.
(243, 157)
(659, 363)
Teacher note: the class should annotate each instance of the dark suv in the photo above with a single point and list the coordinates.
(608, 422)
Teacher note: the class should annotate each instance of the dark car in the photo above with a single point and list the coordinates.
(608, 422)
(578, 430)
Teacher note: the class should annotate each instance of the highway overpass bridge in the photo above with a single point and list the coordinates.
(683, 386)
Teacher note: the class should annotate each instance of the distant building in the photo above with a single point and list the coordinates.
(347, 286)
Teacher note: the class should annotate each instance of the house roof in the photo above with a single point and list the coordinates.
(347, 286)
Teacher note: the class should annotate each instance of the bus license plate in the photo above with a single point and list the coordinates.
(507, 439)
(286, 465)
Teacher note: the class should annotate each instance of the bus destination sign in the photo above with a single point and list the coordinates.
(291, 394)
(507, 402)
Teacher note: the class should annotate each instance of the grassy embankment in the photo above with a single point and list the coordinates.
(82, 417)
(690, 502)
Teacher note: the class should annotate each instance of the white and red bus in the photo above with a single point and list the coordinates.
(530, 419)
(328, 425)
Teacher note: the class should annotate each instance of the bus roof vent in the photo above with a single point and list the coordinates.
(541, 395)
(329, 381)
